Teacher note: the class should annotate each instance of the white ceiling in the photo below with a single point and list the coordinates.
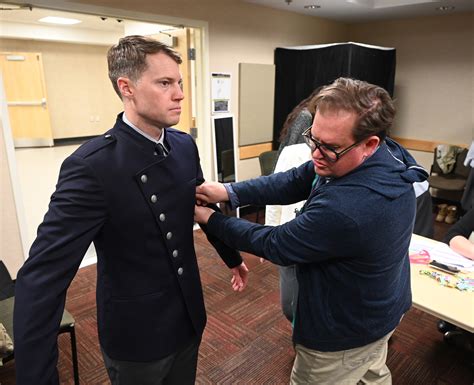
(340, 10)
(89, 22)
(352, 11)
(24, 24)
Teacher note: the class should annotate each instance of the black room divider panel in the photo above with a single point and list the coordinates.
(299, 70)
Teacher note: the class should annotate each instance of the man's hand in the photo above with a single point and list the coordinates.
(240, 277)
(211, 192)
(202, 214)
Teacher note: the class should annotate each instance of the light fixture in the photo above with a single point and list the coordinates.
(312, 6)
(445, 8)
(59, 20)
(14, 7)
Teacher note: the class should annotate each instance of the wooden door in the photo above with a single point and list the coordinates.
(26, 98)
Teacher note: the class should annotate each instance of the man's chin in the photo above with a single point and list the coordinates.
(173, 122)
(322, 171)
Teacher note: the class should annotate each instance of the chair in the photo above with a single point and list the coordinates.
(267, 161)
(228, 168)
(7, 300)
(449, 186)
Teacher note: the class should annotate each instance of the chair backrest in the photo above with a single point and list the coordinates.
(459, 168)
(7, 286)
(267, 161)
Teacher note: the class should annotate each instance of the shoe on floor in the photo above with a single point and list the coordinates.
(442, 212)
(452, 215)
(445, 326)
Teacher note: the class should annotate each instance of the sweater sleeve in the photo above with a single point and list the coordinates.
(313, 236)
(464, 227)
(281, 188)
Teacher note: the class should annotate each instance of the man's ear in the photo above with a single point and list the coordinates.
(125, 85)
(372, 144)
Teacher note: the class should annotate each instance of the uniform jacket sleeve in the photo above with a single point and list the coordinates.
(75, 215)
(230, 256)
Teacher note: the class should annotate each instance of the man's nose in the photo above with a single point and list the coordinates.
(178, 94)
(318, 154)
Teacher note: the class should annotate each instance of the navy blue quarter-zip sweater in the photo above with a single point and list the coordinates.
(350, 245)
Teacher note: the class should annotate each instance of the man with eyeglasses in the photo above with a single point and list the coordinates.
(350, 241)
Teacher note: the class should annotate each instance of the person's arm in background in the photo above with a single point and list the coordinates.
(458, 235)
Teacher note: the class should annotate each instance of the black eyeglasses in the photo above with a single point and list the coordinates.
(328, 153)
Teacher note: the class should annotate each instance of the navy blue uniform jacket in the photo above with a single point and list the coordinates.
(138, 210)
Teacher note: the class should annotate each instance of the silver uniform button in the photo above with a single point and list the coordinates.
(180, 271)
(169, 235)
(175, 253)
(108, 136)
(144, 178)
(153, 198)
(162, 217)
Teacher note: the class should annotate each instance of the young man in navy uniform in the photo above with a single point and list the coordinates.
(132, 193)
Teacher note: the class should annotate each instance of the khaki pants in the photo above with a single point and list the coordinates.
(364, 365)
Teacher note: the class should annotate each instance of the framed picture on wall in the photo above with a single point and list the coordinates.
(220, 89)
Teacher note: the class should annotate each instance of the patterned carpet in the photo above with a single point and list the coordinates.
(247, 340)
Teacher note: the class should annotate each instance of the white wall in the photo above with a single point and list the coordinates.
(237, 32)
(434, 81)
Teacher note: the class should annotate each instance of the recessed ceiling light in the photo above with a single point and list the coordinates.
(312, 6)
(59, 20)
(445, 8)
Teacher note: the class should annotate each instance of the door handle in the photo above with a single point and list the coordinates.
(32, 103)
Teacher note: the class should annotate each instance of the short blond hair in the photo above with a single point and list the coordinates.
(127, 58)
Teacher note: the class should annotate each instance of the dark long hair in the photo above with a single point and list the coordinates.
(305, 103)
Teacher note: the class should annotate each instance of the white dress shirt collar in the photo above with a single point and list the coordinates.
(128, 123)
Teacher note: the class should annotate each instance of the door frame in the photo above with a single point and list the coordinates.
(202, 96)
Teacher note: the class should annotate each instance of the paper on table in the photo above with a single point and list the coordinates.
(440, 252)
